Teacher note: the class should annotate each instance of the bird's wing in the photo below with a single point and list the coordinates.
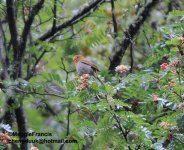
(93, 66)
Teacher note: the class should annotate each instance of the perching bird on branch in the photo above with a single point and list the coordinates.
(84, 66)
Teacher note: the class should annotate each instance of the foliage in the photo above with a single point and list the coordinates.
(142, 109)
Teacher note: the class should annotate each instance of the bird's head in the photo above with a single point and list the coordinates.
(78, 58)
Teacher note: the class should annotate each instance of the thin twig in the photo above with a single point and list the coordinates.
(36, 93)
(68, 124)
(42, 22)
(179, 95)
(178, 139)
(23, 10)
(63, 67)
(49, 108)
(146, 39)
(53, 38)
(68, 119)
(123, 131)
(31, 74)
(86, 11)
(156, 117)
(179, 78)
(39, 58)
(73, 36)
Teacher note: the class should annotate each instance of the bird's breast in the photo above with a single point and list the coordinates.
(84, 69)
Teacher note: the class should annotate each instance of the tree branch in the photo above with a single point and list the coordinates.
(23, 14)
(36, 8)
(18, 53)
(147, 40)
(32, 72)
(6, 47)
(68, 119)
(8, 117)
(130, 33)
(68, 123)
(156, 117)
(63, 67)
(2, 56)
(22, 126)
(11, 18)
(119, 124)
(55, 15)
(42, 22)
(76, 18)
(114, 19)
(36, 93)
(131, 58)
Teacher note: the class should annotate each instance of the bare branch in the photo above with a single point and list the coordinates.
(36, 8)
(10, 6)
(2, 56)
(147, 40)
(73, 36)
(156, 117)
(114, 19)
(22, 126)
(36, 93)
(122, 129)
(31, 74)
(63, 67)
(68, 118)
(76, 18)
(68, 123)
(55, 15)
(42, 22)
(130, 34)
(23, 14)
(131, 58)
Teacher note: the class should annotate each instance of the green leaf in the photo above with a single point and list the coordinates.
(2, 146)
(173, 41)
(108, 88)
(177, 13)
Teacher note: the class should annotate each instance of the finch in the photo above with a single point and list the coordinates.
(84, 66)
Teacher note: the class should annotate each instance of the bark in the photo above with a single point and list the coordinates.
(130, 34)
(76, 18)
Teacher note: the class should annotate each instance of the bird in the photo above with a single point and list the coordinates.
(84, 66)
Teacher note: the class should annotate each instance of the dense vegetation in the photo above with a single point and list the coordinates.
(138, 46)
